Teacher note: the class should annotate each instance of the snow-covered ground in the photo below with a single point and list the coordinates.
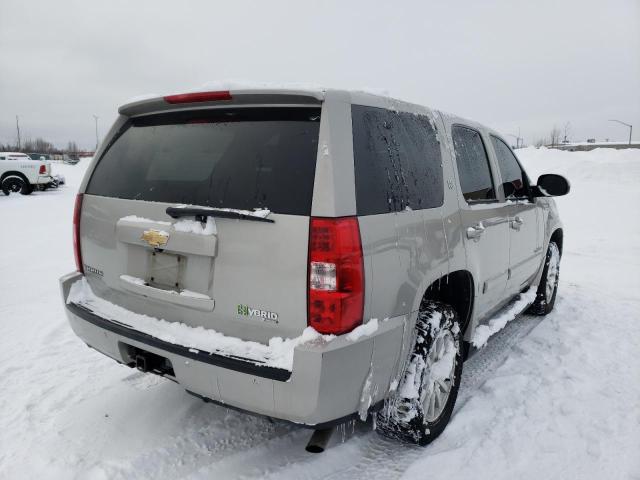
(551, 398)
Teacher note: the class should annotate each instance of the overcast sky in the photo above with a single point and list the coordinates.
(508, 64)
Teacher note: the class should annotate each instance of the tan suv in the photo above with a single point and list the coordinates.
(312, 256)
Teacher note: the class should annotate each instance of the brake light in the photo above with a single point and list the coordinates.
(336, 275)
(43, 169)
(76, 233)
(198, 97)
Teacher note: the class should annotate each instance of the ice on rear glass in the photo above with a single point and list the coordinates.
(277, 353)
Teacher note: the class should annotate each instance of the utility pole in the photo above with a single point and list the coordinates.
(96, 119)
(519, 139)
(627, 125)
(18, 129)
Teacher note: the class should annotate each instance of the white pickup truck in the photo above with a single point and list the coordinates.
(19, 173)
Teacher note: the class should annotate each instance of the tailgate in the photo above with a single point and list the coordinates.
(244, 276)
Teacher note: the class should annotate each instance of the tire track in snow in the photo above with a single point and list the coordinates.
(378, 457)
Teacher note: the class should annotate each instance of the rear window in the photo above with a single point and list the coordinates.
(397, 161)
(238, 158)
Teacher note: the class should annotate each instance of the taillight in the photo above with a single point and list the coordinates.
(76, 233)
(336, 275)
(198, 97)
(43, 169)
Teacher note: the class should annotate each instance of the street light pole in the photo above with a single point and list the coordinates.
(18, 129)
(627, 125)
(96, 119)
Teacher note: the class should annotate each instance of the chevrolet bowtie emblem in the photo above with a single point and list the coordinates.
(155, 238)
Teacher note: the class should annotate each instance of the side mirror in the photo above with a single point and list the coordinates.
(551, 185)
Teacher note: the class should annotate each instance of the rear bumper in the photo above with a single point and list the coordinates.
(44, 179)
(328, 383)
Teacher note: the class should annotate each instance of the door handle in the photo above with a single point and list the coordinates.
(476, 231)
(516, 223)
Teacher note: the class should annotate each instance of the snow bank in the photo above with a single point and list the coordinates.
(497, 323)
(278, 353)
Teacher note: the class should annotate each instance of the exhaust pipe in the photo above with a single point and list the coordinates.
(318, 441)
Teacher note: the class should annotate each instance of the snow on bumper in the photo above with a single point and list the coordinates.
(326, 378)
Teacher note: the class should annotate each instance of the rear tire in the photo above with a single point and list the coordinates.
(15, 184)
(420, 408)
(548, 288)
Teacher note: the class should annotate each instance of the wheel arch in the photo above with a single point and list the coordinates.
(557, 237)
(16, 173)
(456, 289)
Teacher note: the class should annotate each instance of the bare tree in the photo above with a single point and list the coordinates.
(42, 145)
(555, 136)
(27, 145)
(541, 142)
(72, 147)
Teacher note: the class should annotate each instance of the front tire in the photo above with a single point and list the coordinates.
(420, 408)
(548, 287)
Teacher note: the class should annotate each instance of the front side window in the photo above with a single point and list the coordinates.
(473, 165)
(398, 164)
(514, 180)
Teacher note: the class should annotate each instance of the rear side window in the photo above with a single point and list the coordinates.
(473, 165)
(237, 158)
(513, 178)
(397, 161)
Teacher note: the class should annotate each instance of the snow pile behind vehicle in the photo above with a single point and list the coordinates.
(278, 353)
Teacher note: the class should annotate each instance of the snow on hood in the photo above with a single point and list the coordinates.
(278, 353)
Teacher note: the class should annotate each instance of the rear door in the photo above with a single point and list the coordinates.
(525, 251)
(244, 276)
(484, 218)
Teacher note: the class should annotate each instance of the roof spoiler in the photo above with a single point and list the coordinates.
(209, 99)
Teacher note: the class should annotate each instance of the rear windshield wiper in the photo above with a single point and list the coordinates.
(202, 213)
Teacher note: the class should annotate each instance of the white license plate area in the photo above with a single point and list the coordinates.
(165, 270)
